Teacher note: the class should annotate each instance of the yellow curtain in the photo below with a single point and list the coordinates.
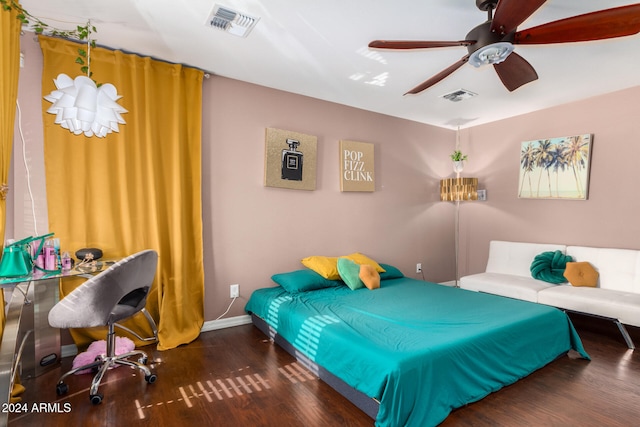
(10, 60)
(10, 54)
(136, 189)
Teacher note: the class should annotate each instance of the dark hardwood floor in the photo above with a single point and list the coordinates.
(236, 377)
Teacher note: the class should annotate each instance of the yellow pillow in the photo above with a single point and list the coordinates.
(369, 276)
(361, 259)
(325, 266)
(581, 274)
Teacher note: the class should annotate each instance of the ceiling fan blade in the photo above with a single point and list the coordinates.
(515, 71)
(403, 44)
(441, 75)
(604, 24)
(511, 13)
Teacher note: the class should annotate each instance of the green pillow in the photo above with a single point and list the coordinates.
(390, 272)
(303, 281)
(550, 266)
(350, 272)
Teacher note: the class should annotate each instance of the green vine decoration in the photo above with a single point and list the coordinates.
(80, 33)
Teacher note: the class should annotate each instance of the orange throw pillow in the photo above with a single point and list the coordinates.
(581, 274)
(369, 276)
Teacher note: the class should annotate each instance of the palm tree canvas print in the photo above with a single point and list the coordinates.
(555, 168)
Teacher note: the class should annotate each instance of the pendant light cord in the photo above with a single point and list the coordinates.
(458, 147)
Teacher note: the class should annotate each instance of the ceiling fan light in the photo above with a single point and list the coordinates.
(491, 54)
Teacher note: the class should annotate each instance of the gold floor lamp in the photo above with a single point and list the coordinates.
(456, 190)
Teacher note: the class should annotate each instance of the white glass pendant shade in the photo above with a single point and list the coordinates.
(492, 54)
(83, 108)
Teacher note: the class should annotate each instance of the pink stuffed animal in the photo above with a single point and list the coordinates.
(97, 348)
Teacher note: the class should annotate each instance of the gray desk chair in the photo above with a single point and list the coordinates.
(106, 298)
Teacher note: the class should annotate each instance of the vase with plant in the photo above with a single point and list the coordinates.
(458, 160)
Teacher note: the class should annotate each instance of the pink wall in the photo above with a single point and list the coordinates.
(607, 218)
(252, 231)
(29, 209)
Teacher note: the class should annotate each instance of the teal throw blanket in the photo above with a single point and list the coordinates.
(418, 348)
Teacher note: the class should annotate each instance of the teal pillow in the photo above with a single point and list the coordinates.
(303, 281)
(550, 266)
(350, 272)
(391, 272)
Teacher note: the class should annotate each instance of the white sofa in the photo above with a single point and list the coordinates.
(616, 297)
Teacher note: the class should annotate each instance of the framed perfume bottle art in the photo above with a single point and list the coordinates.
(290, 160)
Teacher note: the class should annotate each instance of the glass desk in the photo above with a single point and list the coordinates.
(29, 345)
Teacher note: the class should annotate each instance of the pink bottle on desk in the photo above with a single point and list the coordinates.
(38, 256)
(50, 262)
(66, 261)
(40, 259)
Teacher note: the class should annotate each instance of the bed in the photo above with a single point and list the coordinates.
(411, 351)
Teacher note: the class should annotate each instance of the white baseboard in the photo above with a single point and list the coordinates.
(230, 322)
(211, 325)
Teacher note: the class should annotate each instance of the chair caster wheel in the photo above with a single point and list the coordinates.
(143, 360)
(61, 388)
(96, 399)
(150, 378)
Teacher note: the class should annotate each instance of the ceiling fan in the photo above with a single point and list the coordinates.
(493, 41)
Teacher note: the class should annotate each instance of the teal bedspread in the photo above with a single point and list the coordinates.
(419, 348)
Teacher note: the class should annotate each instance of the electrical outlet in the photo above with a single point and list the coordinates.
(234, 291)
(418, 268)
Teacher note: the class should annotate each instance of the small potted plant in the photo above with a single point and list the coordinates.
(458, 160)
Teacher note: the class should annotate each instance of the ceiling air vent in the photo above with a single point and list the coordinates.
(458, 95)
(233, 22)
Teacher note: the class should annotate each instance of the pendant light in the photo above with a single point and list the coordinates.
(83, 107)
